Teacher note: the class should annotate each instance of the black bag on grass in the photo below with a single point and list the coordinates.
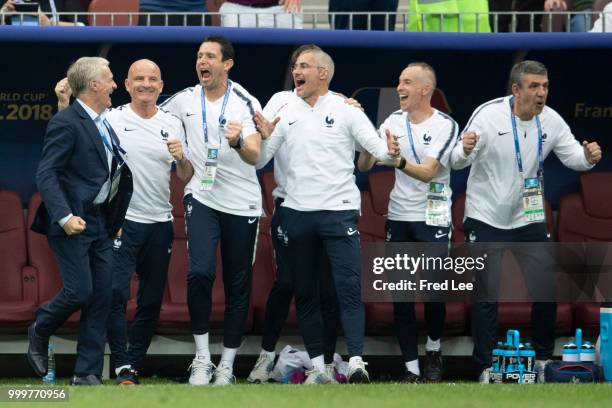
(571, 372)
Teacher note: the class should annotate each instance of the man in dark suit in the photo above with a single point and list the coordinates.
(85, 188)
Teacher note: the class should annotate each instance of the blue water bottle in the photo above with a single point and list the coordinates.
(528, 357)
(579, 340)
(49, 378)
(496, 358)
(503, 359)
(571, 353)
(512, 343)
(605, 334)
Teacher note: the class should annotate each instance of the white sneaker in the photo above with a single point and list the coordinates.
(357, 373)
(485, 376)
(314, 376)
(540, 366)
(224, 375)
(330, 371)
(201, 371)
(263, 367)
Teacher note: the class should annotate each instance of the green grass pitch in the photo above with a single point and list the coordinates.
(160, 393)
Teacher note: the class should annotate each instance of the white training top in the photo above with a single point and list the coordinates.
(434, 137)
(236, 188)
(494, 186)
(320, 144)
(276, 108)
(144, 141)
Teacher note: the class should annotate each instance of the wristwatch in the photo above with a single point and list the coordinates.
(238, 144)
(402, 164)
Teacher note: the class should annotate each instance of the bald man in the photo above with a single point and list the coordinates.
(426, 137)
(153, 139)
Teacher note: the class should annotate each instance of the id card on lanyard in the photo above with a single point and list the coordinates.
(213, 147)
(437, 211)
(532, 188)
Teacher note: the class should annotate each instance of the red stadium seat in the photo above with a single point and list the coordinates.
(371, 224)
(174, 312)
(380, 184)
(267, 186)
(457, 210)
(18, 282)
(379, 318)
(42, 260)
(113, 6)
(587, 217)
(264, 271)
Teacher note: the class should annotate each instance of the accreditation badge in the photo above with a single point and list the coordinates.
(437, 212)
(210, 168)
(533, 200)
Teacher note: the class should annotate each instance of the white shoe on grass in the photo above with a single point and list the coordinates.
(330, 371)
(357, 373)
(224, 375)
(314, 376)
(263, 367)
(485, 376)
(540, 366)
(201, 371)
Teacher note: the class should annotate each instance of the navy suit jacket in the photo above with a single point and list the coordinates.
(72, 169)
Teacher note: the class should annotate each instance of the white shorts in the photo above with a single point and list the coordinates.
(237, 15)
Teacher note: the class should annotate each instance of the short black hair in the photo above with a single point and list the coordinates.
(227, 49)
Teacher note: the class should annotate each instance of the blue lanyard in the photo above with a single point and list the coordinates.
(414, 153)
(517, 148)
(221, 116)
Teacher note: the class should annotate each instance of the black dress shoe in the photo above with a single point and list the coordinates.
(38, 351)
(89, 379)
(433, 366)
(411, 378)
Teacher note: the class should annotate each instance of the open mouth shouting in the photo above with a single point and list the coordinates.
(205, 74)
(299, 84)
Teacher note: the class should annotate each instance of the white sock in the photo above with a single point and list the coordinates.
(118, 369)
(201, 343)
(432, 345)
(413, 367)
(319, 363)
(227, 357)
(269, 354)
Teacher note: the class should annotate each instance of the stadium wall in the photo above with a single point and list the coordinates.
(472, 68)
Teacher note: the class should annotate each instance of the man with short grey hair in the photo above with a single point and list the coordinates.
(319, 132)
(506, 141)
(86, 188)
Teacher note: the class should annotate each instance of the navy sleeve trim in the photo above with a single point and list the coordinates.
(500, 100)
(164, 103)
(450, 136)
(248, 102)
